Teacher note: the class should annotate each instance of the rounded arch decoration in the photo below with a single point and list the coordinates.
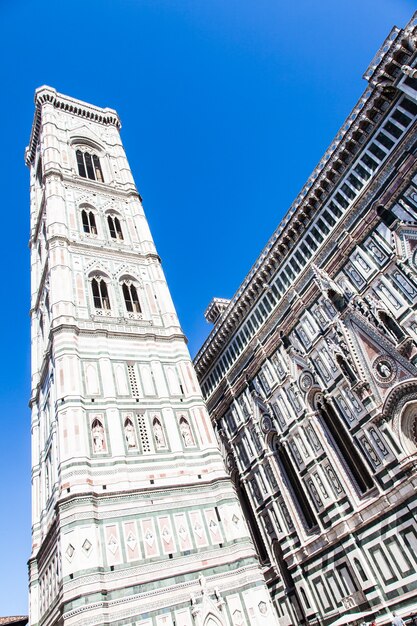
(400, 409)
(84, 142)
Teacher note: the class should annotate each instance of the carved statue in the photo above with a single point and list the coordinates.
(98, 437)
(409, 71)
(130, 434)
(186, 433)
(330, 288)
(384, 369)
(158, 433)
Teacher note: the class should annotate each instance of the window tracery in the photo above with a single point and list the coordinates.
(130, 296)
(115, 228)
(89, 222)
(100, 294)
(88, 164)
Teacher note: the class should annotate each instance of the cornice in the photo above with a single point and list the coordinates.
(352, 228)
(47, 95)
(331, 168)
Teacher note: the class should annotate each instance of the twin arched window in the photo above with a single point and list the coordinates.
(89, 165)
(89, 223)
(101, 295)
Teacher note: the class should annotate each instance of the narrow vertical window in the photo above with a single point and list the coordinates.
(97, 168)
(80, 163)
(89, 165)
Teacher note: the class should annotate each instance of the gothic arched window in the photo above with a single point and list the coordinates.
(295, 484)
(130, 295)
(115, 228)
(345, 447)
(89, 165)
(89, 222)
(100, 293)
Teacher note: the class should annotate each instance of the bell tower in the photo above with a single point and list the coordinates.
(134, 520)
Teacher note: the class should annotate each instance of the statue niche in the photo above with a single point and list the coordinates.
(392, 326)
(97, 434)
(346, 369)
(130, 434)
(158, 434)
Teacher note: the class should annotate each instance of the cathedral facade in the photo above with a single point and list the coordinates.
(134, 518)
(310, 371)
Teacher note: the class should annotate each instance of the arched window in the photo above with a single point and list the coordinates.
(345, 447)
(130, 295)
(115, 228)
(100, 294)
(89, 222)
(295, 484)
(89, 165)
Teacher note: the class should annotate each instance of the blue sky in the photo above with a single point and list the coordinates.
(226, 105)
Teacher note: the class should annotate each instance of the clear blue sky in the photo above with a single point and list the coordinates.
(226, 105)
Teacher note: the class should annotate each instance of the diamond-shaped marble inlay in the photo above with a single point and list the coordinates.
(112, 544)
(70, 551)
(182, 533)
(213, 526)
(198, 529)
(131, 541)
(166, 535)
(149, 538)
(235, 519)
(263, 607)
(87, 545)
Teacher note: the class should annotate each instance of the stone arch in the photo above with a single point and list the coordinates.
(409, 427)
(314, 396)
(212, 620)
(84, 140)
(400, 409)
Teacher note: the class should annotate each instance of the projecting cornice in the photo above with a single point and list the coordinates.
(383, 75)
(48, 95)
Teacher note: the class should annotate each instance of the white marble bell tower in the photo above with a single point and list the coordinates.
(134, 519)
